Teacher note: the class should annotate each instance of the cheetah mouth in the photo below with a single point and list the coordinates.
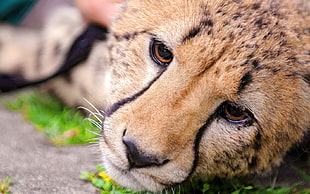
(154, 178)
(133, 178)
(151, 178)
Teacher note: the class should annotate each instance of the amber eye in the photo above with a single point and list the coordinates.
(234, 114)
(160, 53)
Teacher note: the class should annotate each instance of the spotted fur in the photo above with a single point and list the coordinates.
(165, 124)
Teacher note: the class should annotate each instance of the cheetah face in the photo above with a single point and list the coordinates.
(201, 88)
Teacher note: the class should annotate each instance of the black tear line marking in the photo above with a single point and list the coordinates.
(197, 144)
(199, 137)
(124, 101)
(256, 146)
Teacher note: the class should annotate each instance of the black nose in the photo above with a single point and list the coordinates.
(137, 159)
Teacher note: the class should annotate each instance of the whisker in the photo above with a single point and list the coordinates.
(94, 140)
(93, 132)
(92, 106)
(92, 113)
(95, 123)
(100, 115)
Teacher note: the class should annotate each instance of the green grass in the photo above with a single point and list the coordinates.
(4, 186)
(60, 124)
(103, 182)
(65, 126)
(234, 186)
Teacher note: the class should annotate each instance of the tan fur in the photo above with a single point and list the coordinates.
(175, 117)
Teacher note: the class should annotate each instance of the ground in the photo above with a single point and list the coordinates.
(35, 165)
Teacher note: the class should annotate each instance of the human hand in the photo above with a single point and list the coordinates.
(98, 11)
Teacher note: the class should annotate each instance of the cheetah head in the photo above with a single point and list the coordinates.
(203, 87)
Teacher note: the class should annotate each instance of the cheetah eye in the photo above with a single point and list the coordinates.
(234, 114)
(160, 54)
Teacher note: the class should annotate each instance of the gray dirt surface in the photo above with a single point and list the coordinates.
(35, 165)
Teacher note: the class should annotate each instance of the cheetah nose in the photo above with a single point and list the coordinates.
(138, 160)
